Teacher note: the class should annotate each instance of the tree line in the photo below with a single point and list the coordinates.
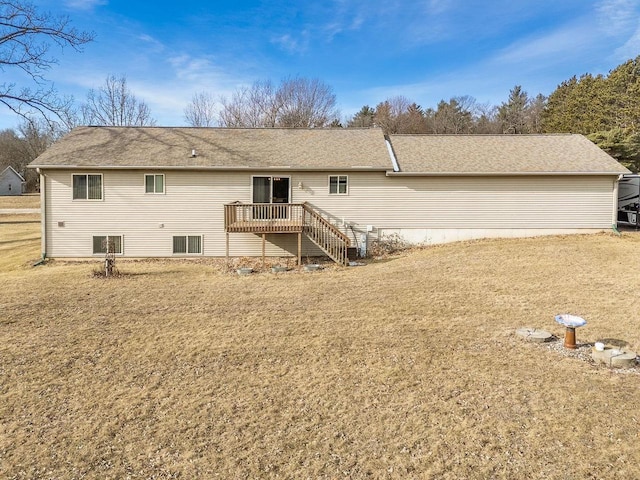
(605, 108)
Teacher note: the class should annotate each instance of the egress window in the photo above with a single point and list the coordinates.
(185, 244)
(154, 183)
(103, 244)
(87, 186)
(338, 184)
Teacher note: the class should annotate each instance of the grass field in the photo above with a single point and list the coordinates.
(403, 368)
(30, 200)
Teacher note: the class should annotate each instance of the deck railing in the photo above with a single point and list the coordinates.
(263, 217)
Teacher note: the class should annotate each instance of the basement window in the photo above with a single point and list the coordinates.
(338, 184)
(154, 183)
(187, 244)
(87, 186)
(103, 242)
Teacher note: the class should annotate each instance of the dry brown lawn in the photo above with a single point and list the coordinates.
(19, 241)
(403, 368)
(30, 200)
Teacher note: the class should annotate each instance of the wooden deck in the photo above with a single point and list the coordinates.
(297, 218)
(264, 218)
(265, 226)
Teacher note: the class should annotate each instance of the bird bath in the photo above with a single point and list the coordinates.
(571, 322)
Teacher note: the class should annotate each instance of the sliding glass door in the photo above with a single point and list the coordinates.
(271, 191)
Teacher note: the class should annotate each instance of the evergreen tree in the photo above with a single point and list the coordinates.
(607, 109)
(364, 118)
(513, 113)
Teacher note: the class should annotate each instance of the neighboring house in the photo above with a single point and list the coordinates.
(11, 182)
(163, 192)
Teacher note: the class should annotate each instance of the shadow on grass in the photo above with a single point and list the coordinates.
(122, 275)
(20, 240)
(616, 342)
(15, 222)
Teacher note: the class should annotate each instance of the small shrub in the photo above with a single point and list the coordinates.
(387, 244)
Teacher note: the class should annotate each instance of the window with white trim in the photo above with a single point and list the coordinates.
(187, 244)
(103, 242)
(87, 186)
(154, 183)
(338, 184)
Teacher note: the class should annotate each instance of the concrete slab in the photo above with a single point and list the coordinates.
(614, 357)
(535, 335)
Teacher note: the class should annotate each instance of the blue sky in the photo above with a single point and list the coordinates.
(367, 51)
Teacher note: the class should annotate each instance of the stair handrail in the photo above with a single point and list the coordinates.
(326, 235)
(326, 223)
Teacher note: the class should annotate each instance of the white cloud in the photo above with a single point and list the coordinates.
(621, 19)
(552, 47)
(194, 69)
(149, 40)
(85, 4)
(290, 44)
(436, 7)
(617, 15)
(631, 48)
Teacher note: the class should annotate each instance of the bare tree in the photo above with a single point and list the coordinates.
(26, 36)
(297, 102)
(535, 112)
(114, 104)
(255, 106)
(19, 147)
(454, 116)
(392, 114)
(306, 103)
(201, 112)
(486, 119)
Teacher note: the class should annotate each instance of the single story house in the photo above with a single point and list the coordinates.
(174, 191)
(11, 182)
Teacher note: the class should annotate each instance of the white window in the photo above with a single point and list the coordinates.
(154, 183)
(338, 184)
(185, 244)
(87, 186)
(102, 243)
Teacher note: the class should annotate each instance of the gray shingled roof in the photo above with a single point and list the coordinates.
(218, 148)
(501, 155)
(326, 149)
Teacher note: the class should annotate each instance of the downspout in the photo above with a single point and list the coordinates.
(614, 219)
(43, 213)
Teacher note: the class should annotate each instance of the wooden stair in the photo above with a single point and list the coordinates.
(325, 235)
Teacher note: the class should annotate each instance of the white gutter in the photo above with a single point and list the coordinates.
(363, 168)
(499, 174)
(392, 155)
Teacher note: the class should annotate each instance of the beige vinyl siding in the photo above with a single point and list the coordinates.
(193, 205)
(470, 202)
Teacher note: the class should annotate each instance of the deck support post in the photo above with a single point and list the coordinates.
(227, 251)
(299, 248)
(264, 237)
